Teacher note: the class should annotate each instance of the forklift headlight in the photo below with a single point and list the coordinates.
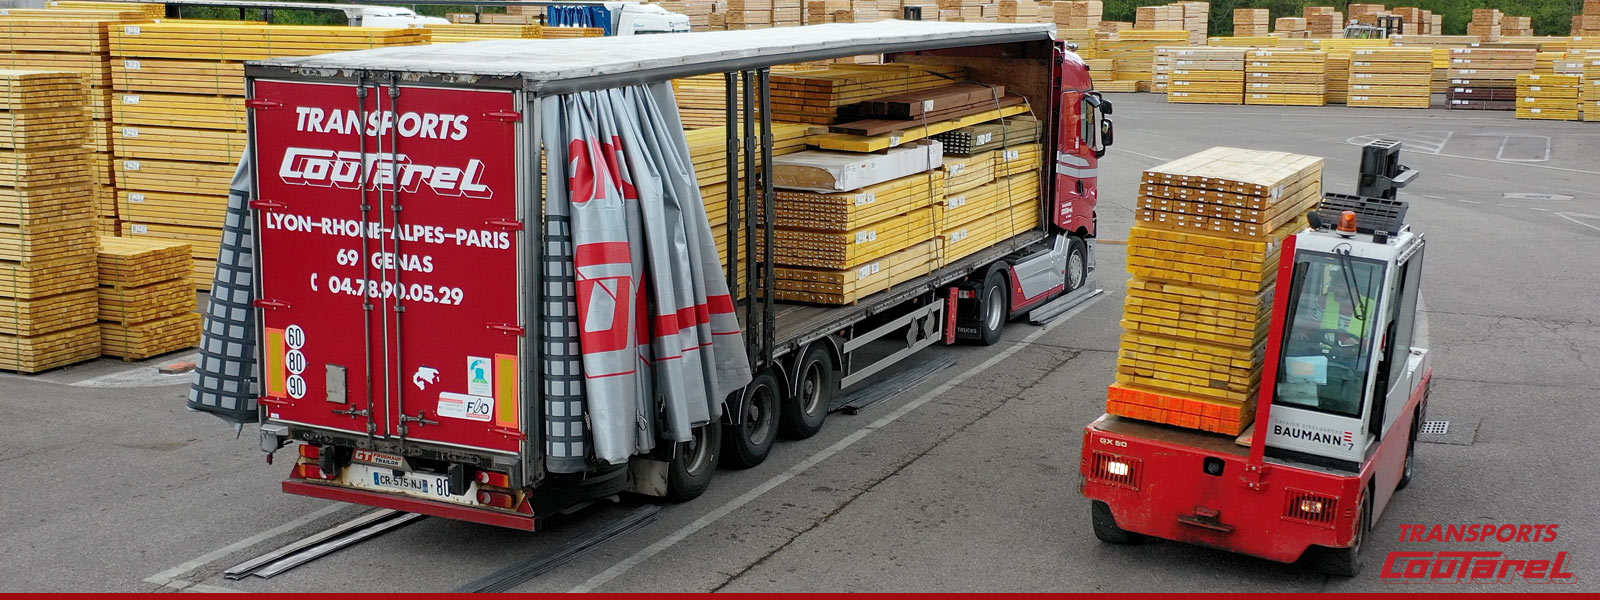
(1313, 507)
(1118, 468)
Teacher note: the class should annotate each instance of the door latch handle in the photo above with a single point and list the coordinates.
(354, 412)
(422, 417)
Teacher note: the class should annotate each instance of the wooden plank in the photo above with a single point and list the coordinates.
(37, 279)
(39, 316)
(137, 262)
(49, 204)
(857, 143)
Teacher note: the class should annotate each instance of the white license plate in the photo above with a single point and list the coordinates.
(421, 485)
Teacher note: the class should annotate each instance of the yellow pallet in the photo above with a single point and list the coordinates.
(48, 351)
(144, 340)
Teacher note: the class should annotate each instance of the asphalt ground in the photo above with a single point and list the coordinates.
(966, 482)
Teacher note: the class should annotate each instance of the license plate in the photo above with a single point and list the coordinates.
(421, 485)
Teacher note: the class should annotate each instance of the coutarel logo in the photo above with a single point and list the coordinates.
(1476, 566)
(385, 171)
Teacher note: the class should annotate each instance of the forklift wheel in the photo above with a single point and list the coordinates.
(1106, 529)
(1411, 454)
(1346, 562)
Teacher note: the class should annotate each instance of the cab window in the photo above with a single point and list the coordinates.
(1332, 323)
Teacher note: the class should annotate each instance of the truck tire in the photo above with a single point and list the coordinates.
(993, 308)
(1106, 528)
(1077, 264)
(690, 471)
(805, 411)
(746, 443)
(1346, 562)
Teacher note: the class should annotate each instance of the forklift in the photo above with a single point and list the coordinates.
(1386, 27)
(1345, 391)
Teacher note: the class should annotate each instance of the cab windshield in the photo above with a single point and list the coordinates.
(1328, 347)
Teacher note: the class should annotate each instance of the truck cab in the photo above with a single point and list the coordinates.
(1349, 370)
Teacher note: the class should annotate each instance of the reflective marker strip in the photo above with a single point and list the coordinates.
(505, 391)
(276, 388)
(1071, 171)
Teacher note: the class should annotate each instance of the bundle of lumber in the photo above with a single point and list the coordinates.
(708, 149)
(180, 122)
(1286, 77)
(993, 135)
(1262, 41)
(1290, 26)
(1338, 51)
(1486, 78)
(1251, 21)
(911, 109)
(1207, 76)
(1553, 97)
(1077, 15)
(1323, 22)
(152, 10)
(47, 299)
(815, 96)
(983, 216)
(1197, 311)
(1486, 24)
(1133, 53)
(442, 34)
(1589, 97)
(147, 305)
(1161, 68)
(1391, 77)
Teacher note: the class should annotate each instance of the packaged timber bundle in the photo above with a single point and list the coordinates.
(1169, 17)
(1207, 76)
(1198, 306)
(147, 305)
(983, 216)
(1391, 77)
(1087, 40)
(1290, 26)
(180, 120)
(815, 95)
(1251, 22)
(47, 229)
(1485, 24)
(1553, 97)
(1286, 77)
(1133, 52)
(1323, 22)
(994, 135)
(1264, 41)
(444, 34)
(1589, 97)
(1077, 15)
(1161, 68)
(1486, 78)
(708, 151)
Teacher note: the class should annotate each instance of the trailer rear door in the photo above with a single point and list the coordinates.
(388, 234)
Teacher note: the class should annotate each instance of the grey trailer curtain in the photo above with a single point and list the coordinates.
(225, 379)
(657, 345)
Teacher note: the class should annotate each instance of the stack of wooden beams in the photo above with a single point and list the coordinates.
(1077, 15)
(1207, 76)
(1590, 96)
(47, 231)
(815, 96)
(147, 305)
(985, 215)
(1290, 26)
(1286, 77)
(1324, 22)
(1161, 68)
(1339, 63)
(1204, 258)
(1167, 17)
(180, 118)
(1263, 41)
(442, 34)
(1553, 97)
(1486, 24)
(1366, 14)
(1088, 40)
(708, 152)
(1587, 23)
(991, 136)
(1133, 54)
(1486, 78)
(1391, 77)
(1251, 21)
(151, 10)
(1516, 26)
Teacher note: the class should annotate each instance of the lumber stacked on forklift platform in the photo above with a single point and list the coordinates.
(1553, 97)
(1486, 78)
(180, 120)
(1204, 258)
(1207, 76)
(1286, 77)
(47, 299)
(147, 305)
(1391, 77)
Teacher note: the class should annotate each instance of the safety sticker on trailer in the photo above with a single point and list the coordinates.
(479, 372)
(465, 406)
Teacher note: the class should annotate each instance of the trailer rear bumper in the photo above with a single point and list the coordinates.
(1202, 493)
(413, 505)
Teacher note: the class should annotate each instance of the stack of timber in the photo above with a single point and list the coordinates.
(1088, 41)
(1290, 27)
(1553, 97)
(815, 95)
(1587, 23)
(1265, 41)
(1251, 22)
(1323, 22)
(708, 152)
(1132, 53)
(1486, 78)
(440, 34)
(1207, 76)
(1485, 24)
(1338, 51)
(1391, 77)
(1590, 96)
(151, 10)
(1168, 17)
(1286, 77)
(180, 118)
(1204, 258)
(1077, 15)
(147, 305)
(994, 135)
(47, 231)
(1516, 27)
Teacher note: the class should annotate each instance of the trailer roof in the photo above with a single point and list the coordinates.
(562, 65)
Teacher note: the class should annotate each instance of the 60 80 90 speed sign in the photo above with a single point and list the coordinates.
(388, 230)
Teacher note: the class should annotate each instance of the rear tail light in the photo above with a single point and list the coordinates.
(1115, 469)
(496, 499)
(308, 471)
(310, 451)
(491, 478)
(1306, 507)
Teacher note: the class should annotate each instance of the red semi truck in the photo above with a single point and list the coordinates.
(398, 206)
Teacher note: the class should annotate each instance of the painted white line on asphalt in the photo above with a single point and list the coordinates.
(1517, 164)
(706, 520)
(1469, 201)
(172, 575)
(1569, 217)
(1501, 155)
(183, 585)
(1144, 155)
(1538, 209)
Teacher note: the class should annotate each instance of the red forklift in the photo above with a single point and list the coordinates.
(1337, 419)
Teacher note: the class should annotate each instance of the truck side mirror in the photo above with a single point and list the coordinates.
(1106, 135)
(1105, 106)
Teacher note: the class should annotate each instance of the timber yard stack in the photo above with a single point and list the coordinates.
(1587, 23)
(147, 305)
(708, 150)
(1207, 76)
(1589, 97)
(1290, 27)
(1132, 52)
(1251, 22)
(1204, 258)
(47, 231)
(1077, 15)
(1391, 77)
(1323, 21)
(901, 184)
(1486, 24)
(445, 34)
(1486, 78)
(1553, 97)
(1286, 77)
(180, 124)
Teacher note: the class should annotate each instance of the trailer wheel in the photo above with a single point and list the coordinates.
(1077, 264)
(1106, 528)
(1346, 562)
(746, 444)
(992, 308)
(695, 462)
(1411, 453)
(804, 413)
